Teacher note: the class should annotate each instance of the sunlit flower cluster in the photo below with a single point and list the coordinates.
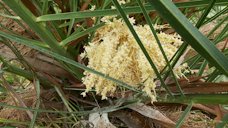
(182, 70)
(114, 52)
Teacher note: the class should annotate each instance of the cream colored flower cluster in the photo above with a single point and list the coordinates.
(123, 1)
(115, 52)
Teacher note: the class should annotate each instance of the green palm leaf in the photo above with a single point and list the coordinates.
(191, 34)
